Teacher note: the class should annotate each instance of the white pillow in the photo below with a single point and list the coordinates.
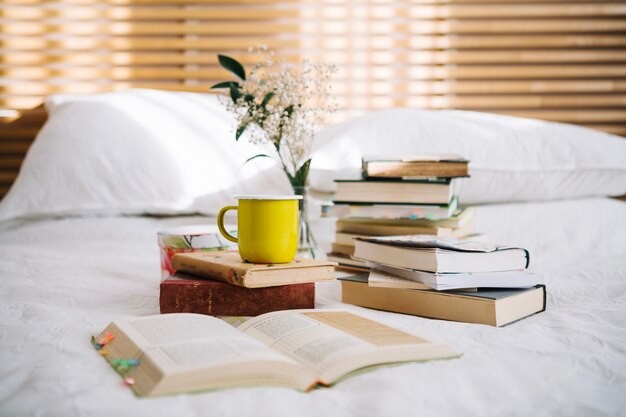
(134, 152)
(512, 159)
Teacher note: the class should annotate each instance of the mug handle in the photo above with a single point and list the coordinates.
(220, 223)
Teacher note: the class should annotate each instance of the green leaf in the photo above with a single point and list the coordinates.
(234, 92)
(225, 84)
(267, 98)
(240, 131)
(299, 180)
(232, 65)
(289, 110)
(248, 98)
(261, 155)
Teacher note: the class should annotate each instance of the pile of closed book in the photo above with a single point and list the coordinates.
(446, 278)
(402, 227)
(221, 284)
(398, 196)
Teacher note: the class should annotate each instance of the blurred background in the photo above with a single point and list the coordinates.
(558, 60)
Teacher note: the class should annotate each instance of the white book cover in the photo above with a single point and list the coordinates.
(451, 281)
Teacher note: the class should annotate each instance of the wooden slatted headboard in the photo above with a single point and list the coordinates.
(560, 60)
(16, 134)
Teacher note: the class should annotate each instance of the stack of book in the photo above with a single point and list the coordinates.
(221, 284)
(397, 196)
(446, 278)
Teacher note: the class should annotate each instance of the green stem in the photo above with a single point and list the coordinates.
(282, 163)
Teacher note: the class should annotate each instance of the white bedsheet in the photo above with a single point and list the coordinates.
(63, 280)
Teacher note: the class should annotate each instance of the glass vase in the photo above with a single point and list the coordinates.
(306, 241)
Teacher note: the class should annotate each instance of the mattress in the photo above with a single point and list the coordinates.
(63, 280)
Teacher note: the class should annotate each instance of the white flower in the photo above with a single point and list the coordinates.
(280, 105)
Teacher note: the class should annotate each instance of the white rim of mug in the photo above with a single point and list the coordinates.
(266, 197)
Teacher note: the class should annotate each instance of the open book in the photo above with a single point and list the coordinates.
(172, 353)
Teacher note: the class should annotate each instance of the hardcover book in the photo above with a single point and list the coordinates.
(423, 166)
(440, 254)
(381, 279)
(228, 267)
(372, 229)
(344, 261)
(450, 281)
(460, 218)
(494, 307)
(347, 239)
(378, 278)
(390, 211)
(438, 191)
(347, 250)
(172, 353)
(182, 293)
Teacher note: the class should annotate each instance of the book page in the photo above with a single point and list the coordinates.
(332, 342)
(379, 278)
(186, 341)
(157, 330)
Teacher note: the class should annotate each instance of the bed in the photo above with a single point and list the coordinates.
(78, 250)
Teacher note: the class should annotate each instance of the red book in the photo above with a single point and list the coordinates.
(186, 294)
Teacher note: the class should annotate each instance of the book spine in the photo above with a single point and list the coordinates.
(204, 268)
(221, 299)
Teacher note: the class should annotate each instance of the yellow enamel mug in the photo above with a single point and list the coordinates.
(267, 227)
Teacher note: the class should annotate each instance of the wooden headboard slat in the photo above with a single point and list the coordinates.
(561, 60)
(16, 136)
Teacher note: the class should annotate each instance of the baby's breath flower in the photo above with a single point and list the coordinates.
(280, 105)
